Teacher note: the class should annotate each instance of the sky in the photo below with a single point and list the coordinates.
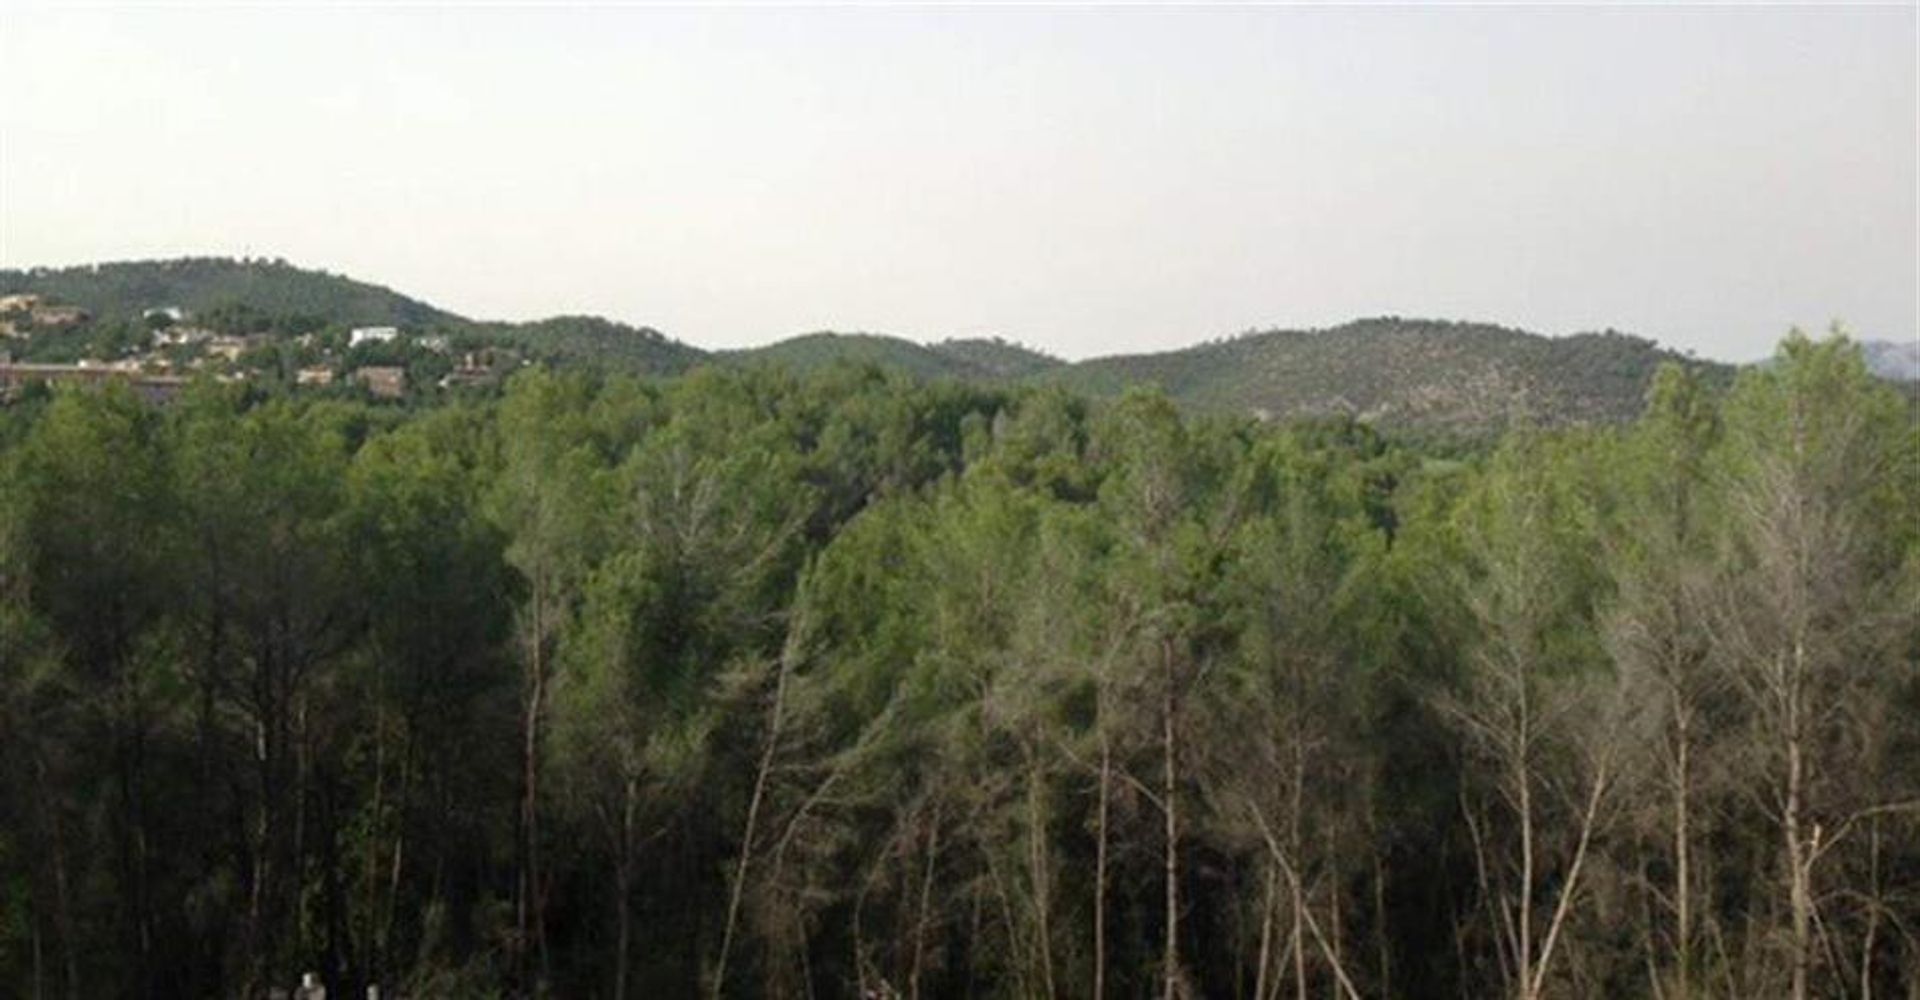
(1082, 180)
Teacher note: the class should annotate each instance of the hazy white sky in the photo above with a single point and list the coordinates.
(1083, 180)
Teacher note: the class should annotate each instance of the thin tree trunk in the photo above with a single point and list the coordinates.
(1100, 869)
(1800, 896)
(1873, 912)
(370, 880)
(1564, 905)
(1523, 789)
(297, 862)
(529, 933)
(1682, 853)
(1496, 908)
(1294, 838)
(1041, 879)
(1266, 935)
(777, 718)
(623, 887)
(62, 897)
(1170, 809)
(1382, 944)
(1299, 940)
(1333, 918)
(403, 809)
(1313, 926)
(926, 901)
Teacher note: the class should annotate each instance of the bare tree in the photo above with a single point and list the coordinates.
(1527, 712)
(1811, 605)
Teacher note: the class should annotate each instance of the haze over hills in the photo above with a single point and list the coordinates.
(1392, 371)
(1890, 360)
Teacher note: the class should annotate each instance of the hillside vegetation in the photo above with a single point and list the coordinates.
(1000, 358)
(1434, 375)
(603, 341)
(967, 360)
(123, 290)
(1401, 372)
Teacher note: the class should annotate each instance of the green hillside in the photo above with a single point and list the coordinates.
(1444, 376)
(999, 358)
(120, 290)
(1391, 371)
(600, 341)
(813, 351)
(284, 298)
(970, 359)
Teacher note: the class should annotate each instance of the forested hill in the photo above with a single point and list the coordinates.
(125, 289)
(965, 360)
(1446, 376)
(1403, 372)
(603, 341)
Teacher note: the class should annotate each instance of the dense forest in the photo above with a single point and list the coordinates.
(749, 684)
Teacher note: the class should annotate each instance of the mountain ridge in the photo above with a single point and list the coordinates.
(1390, 370)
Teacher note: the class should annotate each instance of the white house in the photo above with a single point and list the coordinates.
(371, 334)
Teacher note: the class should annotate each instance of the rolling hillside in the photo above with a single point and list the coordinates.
(1446, 376)
(1000, 358)
(119, 290)
(275, 288)
(1400, 372)
(955, 359)
(601, 341)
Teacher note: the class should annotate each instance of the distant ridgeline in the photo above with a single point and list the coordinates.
(293, 325)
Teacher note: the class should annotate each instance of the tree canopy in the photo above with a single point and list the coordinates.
(748, 683)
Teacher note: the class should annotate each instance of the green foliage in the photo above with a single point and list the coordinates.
(971, 360)
(224, 287)
(964, 687)
(604, 343)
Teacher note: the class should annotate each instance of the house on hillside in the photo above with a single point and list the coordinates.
(383, 382)
(371, 335)
(36, 308)
(176, 335)
(46, 315)
(316, 376)
(229, 348)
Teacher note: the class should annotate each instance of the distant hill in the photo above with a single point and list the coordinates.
(279, 289)
(1893, 360)
(954, 359)
(1455, 376)
(1446, 376)
(603, 341)
(196, 284)
(1000, 358)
